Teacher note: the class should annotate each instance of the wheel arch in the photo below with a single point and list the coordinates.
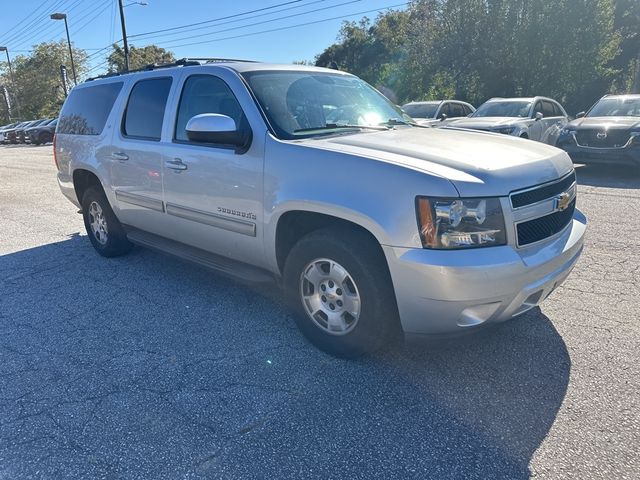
(293, 224)
(84, 178)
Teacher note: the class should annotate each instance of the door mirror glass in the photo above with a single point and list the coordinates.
(580, 114)
(442, 117)
(214, 128)
(538, 116)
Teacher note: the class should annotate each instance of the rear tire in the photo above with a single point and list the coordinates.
(338, 283)
(45, 138)
(103, 228)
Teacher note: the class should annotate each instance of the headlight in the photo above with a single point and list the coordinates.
(567, 131)
(504, 130)
(460, 223)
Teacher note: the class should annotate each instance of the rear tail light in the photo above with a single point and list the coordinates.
(55, 155)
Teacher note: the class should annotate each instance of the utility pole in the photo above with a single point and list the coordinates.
(13, 80)
(124, 37)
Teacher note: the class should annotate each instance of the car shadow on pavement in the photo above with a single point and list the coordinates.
(609, 176)
(143, 366)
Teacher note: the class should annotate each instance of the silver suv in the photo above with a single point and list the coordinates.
(536, 118)
(372, 224)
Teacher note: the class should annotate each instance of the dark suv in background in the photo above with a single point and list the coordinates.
(43, 133)
(608, 133)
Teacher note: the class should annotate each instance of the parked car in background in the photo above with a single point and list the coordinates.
(535, 118)
(21, 133)
(433, 111)
(608, 133)
(373, 224)
(42, 133)
(4, 129)
(11, 135)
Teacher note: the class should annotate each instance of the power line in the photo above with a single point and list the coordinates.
(53, 30)
(40, 28)
(34, 12)
(288, 27)
(37, 21)
(285, 17)
(271, 30)
(218, 23)
(106, 5)
(215, 19)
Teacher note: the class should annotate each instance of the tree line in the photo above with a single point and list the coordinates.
(571, 50)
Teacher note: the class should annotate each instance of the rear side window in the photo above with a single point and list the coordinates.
(547, 109)
(557, 110)
(86, 110)
(145, 109)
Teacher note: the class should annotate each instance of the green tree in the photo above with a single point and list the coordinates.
(38, 86)
(138, 57)
(572, 50)
(370, 50)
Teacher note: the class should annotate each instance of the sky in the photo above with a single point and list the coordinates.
(249, 29)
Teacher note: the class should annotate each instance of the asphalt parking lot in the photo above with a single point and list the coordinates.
(148, 367)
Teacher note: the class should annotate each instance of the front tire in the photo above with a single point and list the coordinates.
(103, 228)
(338, 283)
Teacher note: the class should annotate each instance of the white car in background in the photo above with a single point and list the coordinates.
(535, 118)
(434, 111)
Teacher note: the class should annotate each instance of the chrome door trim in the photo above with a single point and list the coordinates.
(219, 221)
(140, 200)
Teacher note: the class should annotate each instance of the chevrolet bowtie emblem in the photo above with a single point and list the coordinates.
(563, 201)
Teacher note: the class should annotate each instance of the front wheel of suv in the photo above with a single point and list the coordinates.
(103, 228)
(338, 283)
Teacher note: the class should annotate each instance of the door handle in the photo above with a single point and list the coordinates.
(176, 164)
(119, 156)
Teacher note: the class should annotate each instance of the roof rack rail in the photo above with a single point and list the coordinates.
(183, 62)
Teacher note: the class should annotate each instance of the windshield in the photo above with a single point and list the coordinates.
(503, 109)
(616, 107)
(421, 110)
(301, 104)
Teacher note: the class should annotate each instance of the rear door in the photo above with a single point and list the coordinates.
(553, 122)
(136, 153)
(537, 127)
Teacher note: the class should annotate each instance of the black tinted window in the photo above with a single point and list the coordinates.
(145, 109)
(86, 110)
(547, 109)
(557, 110)
(456, 110)
(206, 94)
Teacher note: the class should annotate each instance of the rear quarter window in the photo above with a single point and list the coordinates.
(86, 110)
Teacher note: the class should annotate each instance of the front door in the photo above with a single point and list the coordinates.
(213, 192)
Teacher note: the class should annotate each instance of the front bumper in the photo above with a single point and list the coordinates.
(445, 292)
(629, 155)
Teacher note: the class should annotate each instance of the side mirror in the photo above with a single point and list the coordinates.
(538, 116)
(580, 114)
(443, 117)
(214, 128)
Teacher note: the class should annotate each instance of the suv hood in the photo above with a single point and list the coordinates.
(476, 163)
(485, 123)
(589, 123)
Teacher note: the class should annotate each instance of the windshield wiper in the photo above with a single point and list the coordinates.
(394, 121)
(335, 126)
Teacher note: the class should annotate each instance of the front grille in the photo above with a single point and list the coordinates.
(602, 138)
(544, 192)
(540, 228)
